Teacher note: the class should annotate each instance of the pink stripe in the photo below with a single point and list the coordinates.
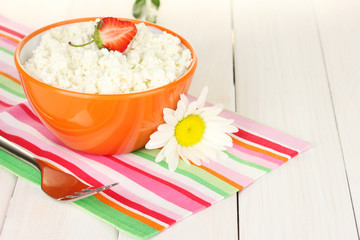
(19, 113)
(228, 173)
(23, 114)
(11, 24)
(124, 158)
(83, 175)
(14, 33)
(175, 197)
(7, 45)
(251, 158)
(9, 41)
(267, 132)
(259, 155)
(86, 168)
(264, 142)
(6, 68)
(5, 104)
(172, 193)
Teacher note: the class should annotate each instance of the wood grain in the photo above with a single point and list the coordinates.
(281, 81)
(34, 215)
(340, 37)
(7, 184)
(215, 70)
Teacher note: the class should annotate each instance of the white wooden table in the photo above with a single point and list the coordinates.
(292, 65)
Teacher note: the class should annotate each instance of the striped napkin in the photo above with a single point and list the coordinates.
(150, 198)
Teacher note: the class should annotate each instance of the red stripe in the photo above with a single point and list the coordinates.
(12, 32)
(5, 104)
(132, 171)
(83, 175)
(29, 112)
(266, 143)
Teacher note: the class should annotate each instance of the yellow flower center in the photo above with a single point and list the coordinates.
(189, 130)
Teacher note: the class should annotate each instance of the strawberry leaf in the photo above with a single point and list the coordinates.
(156, 3)
(138, 8)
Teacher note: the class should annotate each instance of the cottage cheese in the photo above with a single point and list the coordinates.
(151, 60)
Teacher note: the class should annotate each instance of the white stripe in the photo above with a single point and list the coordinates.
(7, 59)
(16, 29)
(7, 100)
(66, 170)
(132, 186)
(260, 146)
(267, 138)
(179, 177)
(13, 98)
(243, 169)
(134, 210)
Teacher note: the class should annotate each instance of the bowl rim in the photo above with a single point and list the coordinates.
(170, 85)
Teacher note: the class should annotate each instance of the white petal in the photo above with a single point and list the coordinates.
(158, 139)
(168, 149)
(172, 157)
(220, 137)
(191, 108)
(218, 119)
(210, 112)
(228, 140)
(166, 128)
(182, 155)
(230, 129)
(171, 146)
(221, 127)
(202, 98)
(213, 143)
(161, 155)
(191, 155)
(169, 116)
(185, 100)
(206, 150)
(173, 162)
(180, 111)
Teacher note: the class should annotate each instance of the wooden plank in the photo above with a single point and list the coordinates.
(35, 13)
(210, 33)
(340, 35)
(29, 206)
(214, 70)
(206, 24)
(34, 215)
(7, 185)
(281, 81)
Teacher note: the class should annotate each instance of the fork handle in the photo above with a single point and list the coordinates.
(19, 152)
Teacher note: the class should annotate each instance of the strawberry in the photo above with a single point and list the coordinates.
(113, 34)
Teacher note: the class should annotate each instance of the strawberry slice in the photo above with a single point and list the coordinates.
(113, 34)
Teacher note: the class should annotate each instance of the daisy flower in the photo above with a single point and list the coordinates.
(193, 132)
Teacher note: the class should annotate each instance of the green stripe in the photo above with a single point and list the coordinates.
(12, 87)
(251, 164)
(197, 174)
(118, 219)
(19, 167)
(7, 51)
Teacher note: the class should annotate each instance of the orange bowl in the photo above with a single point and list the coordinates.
(96, 123)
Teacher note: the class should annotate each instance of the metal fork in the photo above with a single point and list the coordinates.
(56, 183)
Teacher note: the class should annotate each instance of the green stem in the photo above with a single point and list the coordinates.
(81, 45)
